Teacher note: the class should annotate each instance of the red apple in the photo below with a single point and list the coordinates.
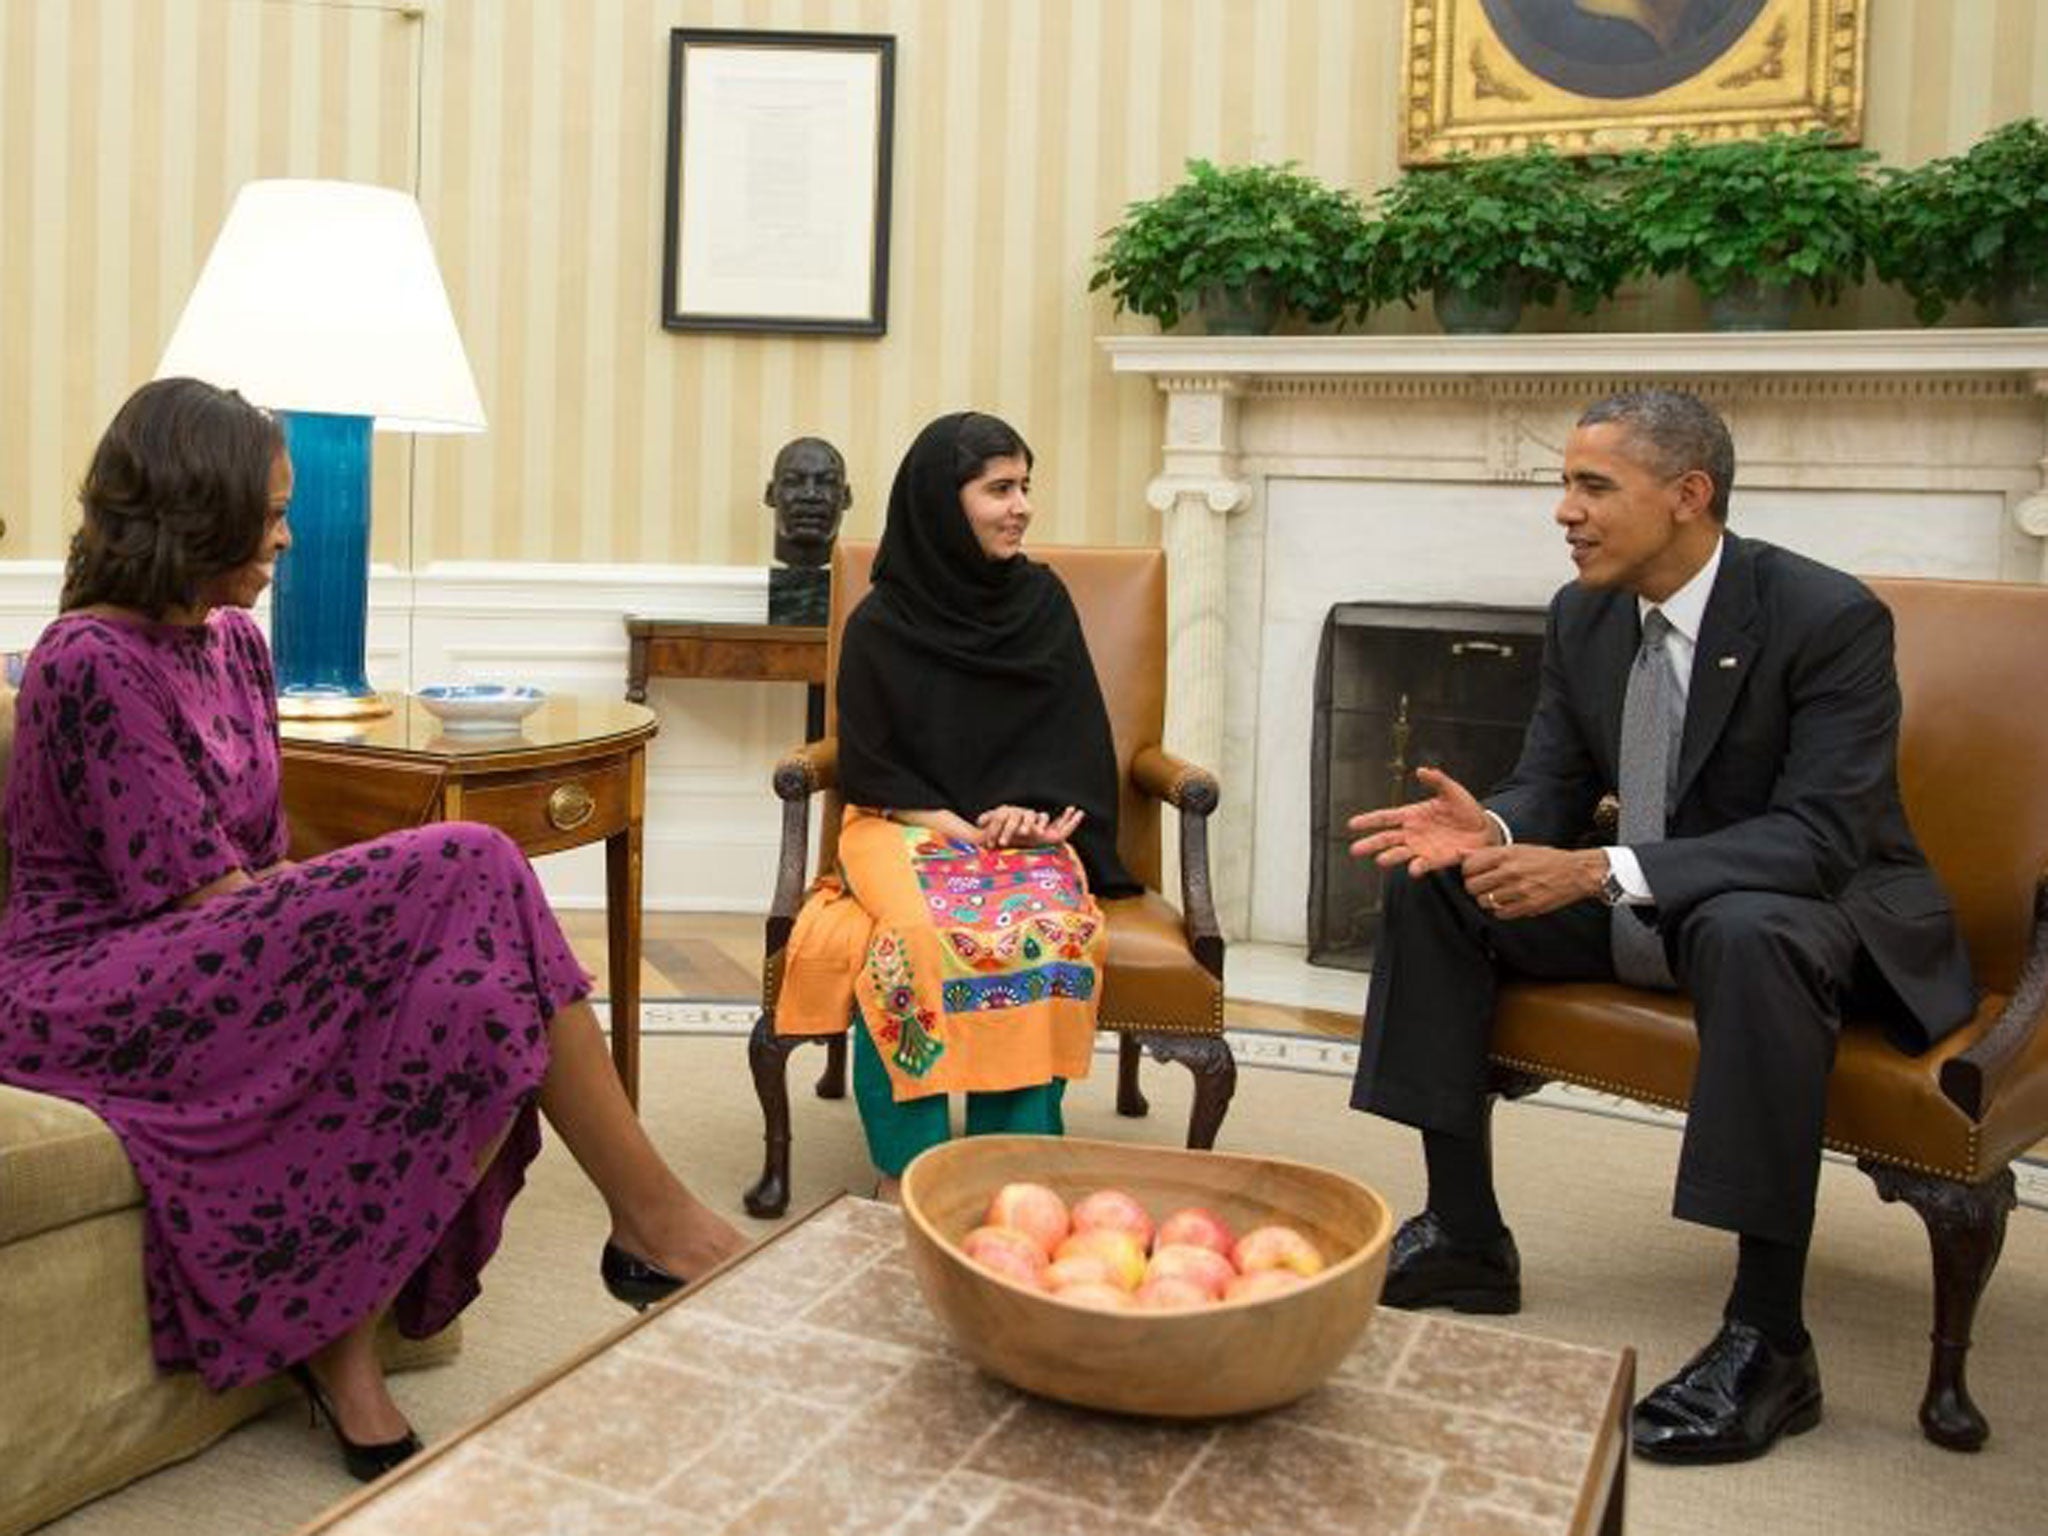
(1106, 1298)
(1006, 1251)
(1032, 1209)
(1173, 1293)
(1118, 1251)
(1261, 1283)
(1184, 1261)
(1197, 1225)
(1079, 1269)
(1119, 1212)
(1277, 1247)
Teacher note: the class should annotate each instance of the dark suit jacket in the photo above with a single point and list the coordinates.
(1788, 770)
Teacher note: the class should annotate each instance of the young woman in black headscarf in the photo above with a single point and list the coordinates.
(980, 778)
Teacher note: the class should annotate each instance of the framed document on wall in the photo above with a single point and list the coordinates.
(778, 181)
(1485, 76)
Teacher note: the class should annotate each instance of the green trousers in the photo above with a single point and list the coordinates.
(897, 1132)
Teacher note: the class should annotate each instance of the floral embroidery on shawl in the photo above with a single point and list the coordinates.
(1014, 927)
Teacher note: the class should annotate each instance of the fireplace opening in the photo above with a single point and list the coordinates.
(1401, 686)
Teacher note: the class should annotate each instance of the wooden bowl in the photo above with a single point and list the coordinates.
(1233, 1357)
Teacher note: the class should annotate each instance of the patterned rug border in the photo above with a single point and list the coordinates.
(1274, 1051)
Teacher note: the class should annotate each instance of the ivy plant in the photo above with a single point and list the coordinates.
(1229, 227)
(1787, 210)
(1531, 217)
(1968, 226)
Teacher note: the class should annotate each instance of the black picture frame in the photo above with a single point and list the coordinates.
(778, 179)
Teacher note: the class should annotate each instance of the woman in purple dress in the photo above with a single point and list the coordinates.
(327, 1075)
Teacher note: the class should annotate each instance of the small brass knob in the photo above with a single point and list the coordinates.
(569, 807)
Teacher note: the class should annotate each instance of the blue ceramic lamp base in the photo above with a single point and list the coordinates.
(319, 608)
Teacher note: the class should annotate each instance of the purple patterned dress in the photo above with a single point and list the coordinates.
(304, 1072)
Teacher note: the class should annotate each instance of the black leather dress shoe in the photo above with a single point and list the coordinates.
(635, 1281)
(1731, 1402)
(1427, 1268)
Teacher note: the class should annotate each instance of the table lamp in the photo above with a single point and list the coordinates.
(321, 301)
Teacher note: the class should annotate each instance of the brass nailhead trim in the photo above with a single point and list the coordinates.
(1627, 1091)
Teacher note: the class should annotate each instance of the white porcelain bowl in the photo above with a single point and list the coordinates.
(478, 708)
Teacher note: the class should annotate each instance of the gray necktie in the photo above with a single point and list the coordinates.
(1652, 718)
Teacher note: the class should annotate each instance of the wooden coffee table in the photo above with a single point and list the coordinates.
(805, 1388)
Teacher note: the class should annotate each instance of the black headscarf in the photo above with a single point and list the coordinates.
(965, 682)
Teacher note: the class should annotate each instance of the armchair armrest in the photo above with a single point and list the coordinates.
(1193, 792)
(1190, 790)
(1970, 1078)
(803, 772)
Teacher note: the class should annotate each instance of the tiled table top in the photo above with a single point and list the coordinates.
(808, 1390)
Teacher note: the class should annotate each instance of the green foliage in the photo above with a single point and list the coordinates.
(1790, 210)
(1532, 215)
(1965, 227)
(1226, 227)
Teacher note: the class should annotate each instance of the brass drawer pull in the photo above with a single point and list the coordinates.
(569, 807)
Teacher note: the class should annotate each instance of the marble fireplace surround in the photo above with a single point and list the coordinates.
(1296, 472)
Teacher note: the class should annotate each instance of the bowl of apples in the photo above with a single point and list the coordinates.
(1144, 1280)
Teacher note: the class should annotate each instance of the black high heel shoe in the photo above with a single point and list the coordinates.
(365, 1463)
(636, 1282)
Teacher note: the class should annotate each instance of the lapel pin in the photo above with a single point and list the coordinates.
(1726, 663)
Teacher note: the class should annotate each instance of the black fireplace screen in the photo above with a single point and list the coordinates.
(1401, 686)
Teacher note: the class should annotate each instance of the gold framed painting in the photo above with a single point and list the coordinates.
(1485, 76)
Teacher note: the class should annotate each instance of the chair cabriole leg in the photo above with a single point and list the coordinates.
(1129, 1101)
(1965, 1229)
(768, 1056)
(832, 1081)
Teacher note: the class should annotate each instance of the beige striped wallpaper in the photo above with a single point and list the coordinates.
(533, 131)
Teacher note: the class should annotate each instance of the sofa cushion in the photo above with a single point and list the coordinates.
(58, 1164)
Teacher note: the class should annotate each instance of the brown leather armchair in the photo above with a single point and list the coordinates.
(1163, 979)
(1939, 1130)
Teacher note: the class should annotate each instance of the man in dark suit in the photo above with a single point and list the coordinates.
(1745, 700)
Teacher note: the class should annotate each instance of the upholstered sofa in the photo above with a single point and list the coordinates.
(83, 1408)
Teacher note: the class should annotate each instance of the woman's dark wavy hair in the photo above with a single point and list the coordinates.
(983, 438)
(178, 493)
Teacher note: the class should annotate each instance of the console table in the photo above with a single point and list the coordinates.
(752, 653)
(573, 772)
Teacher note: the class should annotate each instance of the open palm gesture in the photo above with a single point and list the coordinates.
(1426, 835)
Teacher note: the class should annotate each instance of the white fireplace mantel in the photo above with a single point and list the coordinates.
(1404, 466)
(1874, 354)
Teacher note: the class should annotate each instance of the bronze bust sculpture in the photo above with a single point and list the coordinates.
(808, 491)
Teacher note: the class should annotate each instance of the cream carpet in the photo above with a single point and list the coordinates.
(1587, 1194)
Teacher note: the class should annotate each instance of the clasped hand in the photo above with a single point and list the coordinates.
(1449, 830)
(1015, 826)
(1002, 826)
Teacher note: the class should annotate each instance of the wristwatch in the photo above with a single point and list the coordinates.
(1611, 889)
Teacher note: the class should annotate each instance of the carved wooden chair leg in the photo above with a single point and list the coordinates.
(1966, 1229)
(1209, 1059)
(832, 1081)
(1129, 1101)
(768, 1056)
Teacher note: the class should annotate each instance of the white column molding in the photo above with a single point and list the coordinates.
(2030, 512)
(1194, 498)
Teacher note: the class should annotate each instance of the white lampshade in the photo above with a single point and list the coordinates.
(324, 296)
